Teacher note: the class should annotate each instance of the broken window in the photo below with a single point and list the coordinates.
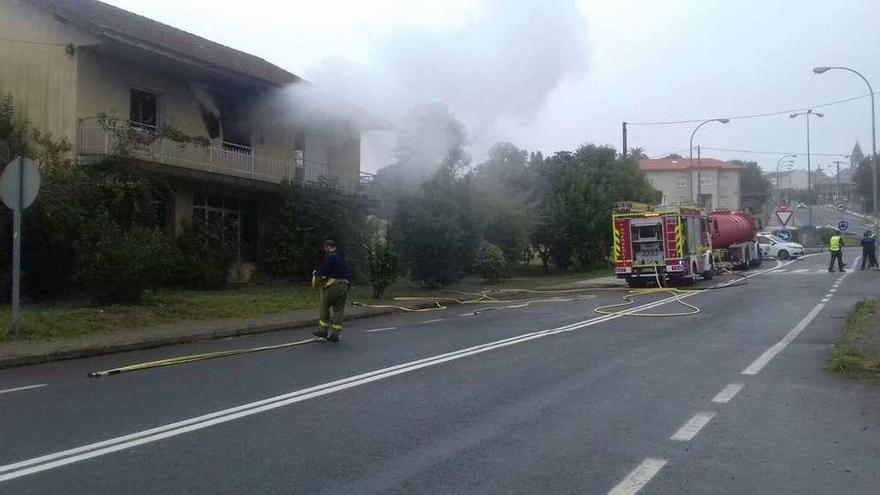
(144, 110)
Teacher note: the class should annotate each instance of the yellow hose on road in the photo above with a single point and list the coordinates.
(629, 300)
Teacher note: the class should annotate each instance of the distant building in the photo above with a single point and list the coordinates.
(715, 181)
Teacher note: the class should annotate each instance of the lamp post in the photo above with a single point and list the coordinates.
(822, 70)
(809, 171)
(691, 162)
(779, 179)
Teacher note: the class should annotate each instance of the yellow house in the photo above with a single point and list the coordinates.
(70, 64)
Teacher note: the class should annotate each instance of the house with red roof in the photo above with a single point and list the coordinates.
(710, 183)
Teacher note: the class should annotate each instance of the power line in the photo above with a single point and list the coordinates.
(773, 152)
(757, 115)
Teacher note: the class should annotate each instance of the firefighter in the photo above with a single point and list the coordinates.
(836, 248)
(332, 280)
(869, 250)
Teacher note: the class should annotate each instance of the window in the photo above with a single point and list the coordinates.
(234, 217)
(144, 110)
(680, 183)
(705, 180)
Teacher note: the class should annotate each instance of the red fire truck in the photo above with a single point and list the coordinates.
(672, 241)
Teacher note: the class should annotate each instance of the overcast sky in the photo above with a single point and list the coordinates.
(555, 74)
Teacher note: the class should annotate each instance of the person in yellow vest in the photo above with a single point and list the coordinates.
(836, 248)
(332, 280)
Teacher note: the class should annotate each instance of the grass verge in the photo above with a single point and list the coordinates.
(856, 353)
(72, 318)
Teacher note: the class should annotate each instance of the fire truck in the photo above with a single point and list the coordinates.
(673, 242)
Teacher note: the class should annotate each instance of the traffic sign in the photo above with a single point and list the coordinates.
(20, 173)
(843, 225)
(841, 207)
(784, 234)
(783, 216)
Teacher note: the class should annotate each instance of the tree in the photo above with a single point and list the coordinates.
(637, 153)
(506, 170)
(755, 189)
(863, 178)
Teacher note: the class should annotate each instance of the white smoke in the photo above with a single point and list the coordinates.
(494, 72)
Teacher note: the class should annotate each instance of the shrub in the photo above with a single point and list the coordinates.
(382, 267)
(118, 265)
(490, 262)
(202, 257)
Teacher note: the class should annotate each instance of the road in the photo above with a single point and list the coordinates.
(825, 215)
(548, 398)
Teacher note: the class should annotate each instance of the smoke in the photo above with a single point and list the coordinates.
(494, 72)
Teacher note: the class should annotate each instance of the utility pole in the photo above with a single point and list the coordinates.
(624, 139)
(838, 162)
(807, 114)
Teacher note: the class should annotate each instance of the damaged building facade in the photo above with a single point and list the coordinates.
(86, 71)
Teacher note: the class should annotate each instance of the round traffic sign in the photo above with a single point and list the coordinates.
(21, 173)
(842, 225)
(784, 234)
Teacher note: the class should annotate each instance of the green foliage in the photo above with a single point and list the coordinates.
(438, 229)
(862, 176)
(755, 189)
(490, 262)
(304, 220)
(856, 352)
(116, 265)
(202, 257)
(382, 266)
(582, 188)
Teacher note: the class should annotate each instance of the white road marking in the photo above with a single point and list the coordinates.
(435, 320)
(18, 389)
(825, 300)
(801, 270)
(758, 364)
(690, 429)
(728, 393)
(380, 329)
(70, 456)
(639, 477)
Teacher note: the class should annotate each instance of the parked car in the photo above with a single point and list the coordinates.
(774, 247)
(802, 206)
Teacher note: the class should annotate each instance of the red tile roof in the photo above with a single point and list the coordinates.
(682, 164)
(121, 25)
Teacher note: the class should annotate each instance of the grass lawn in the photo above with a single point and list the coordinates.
(856, 352)
(48, 320)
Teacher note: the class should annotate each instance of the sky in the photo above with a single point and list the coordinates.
(552, 75)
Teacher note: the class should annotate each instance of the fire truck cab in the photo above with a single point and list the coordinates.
(673, 242)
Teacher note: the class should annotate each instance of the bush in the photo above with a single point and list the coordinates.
(382, 267)
(490, 262)
(118, 265)
(202, 257)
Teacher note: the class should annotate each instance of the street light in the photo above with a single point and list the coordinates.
(809, 172)
(874, 194)
(691, 162)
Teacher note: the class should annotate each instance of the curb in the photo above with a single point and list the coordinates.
(242, 330)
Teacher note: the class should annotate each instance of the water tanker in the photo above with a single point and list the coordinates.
(734, 238)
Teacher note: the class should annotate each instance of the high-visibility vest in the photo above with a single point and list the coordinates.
(835, 243)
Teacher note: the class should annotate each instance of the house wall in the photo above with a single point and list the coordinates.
(39, 73)
(722, 185)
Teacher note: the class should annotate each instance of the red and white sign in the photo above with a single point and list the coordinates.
(783, 215)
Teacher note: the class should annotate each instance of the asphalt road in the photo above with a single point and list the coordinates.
(825, 215)
(549, 398)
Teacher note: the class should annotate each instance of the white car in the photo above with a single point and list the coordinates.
(774, 247)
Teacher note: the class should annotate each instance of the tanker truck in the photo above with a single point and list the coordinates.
(734, 240)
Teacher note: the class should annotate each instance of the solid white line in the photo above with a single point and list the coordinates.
(436, 320)
(638, 477)
(70, 456)
(728, 393)
(10, 390)
(758, 364)
(380, 329)
(690, 429)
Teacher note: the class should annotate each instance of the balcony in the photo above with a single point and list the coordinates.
(96, 139)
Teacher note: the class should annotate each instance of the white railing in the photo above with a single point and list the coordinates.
(216, 157)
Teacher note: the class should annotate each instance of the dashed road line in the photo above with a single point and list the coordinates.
(372, 330)
(18, 389)
(690, 429)
(639, 477)
(728, 393)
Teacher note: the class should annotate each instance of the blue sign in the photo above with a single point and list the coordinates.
(784, 234)
(843, 225)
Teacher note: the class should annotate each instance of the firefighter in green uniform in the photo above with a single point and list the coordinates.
(332, 280)
(836, 248)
